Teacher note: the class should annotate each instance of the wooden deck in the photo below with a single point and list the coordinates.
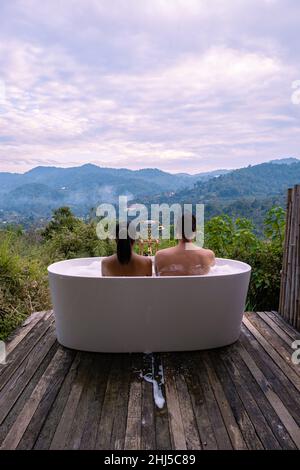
(245, 396)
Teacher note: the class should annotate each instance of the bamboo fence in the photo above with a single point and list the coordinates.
(289, 302)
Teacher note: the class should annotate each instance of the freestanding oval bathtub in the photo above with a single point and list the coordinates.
(147, 314)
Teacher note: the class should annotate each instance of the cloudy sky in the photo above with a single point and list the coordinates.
(182, 85)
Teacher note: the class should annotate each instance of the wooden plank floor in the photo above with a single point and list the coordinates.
(244, 396)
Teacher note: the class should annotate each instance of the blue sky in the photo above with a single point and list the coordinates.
(182, 85)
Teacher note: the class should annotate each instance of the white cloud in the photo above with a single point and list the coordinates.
(184, 85)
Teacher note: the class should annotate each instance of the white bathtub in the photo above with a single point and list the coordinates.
(144, 314)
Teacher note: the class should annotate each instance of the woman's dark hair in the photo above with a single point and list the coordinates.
(124, 244)
(188, 227)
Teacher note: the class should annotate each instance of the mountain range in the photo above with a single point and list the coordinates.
(78, 178)
(32, 196)
(35, 193)
(246, 192)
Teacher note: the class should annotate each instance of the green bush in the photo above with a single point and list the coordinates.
(237, 240)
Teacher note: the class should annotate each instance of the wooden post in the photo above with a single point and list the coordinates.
(289, 302)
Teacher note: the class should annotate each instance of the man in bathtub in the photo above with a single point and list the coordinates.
(185, 259)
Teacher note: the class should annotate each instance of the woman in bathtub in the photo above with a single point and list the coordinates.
(185, 259)
(126, 262)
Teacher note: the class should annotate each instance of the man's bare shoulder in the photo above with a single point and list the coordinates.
(206, 254)
(165, 252)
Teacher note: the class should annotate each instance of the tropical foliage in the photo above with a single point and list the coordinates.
(236, 239)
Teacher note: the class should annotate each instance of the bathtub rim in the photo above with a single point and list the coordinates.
(51, 271)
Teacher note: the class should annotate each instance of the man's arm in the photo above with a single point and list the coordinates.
(211, 257)
(208, 260)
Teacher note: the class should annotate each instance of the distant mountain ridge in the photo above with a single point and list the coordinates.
(285, 161)
(43, 173)
(36, 193)
(86, 175)
(43, 188)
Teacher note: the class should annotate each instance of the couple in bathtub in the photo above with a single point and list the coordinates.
(185, 259)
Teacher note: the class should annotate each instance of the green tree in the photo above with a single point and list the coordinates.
(62, 218)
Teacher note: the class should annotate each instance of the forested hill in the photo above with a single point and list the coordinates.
(260, 181)
(247, 192)
(31, 196)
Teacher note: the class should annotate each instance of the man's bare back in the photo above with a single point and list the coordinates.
(185, 259)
